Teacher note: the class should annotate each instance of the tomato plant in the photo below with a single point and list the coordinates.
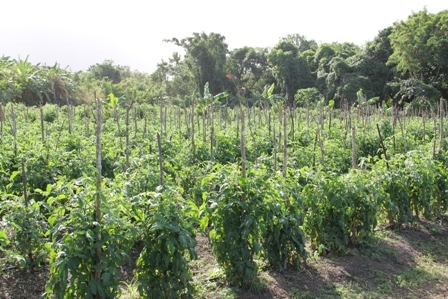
(168, 237)
(73, 258)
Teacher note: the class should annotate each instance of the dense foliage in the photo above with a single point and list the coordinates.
(405, 62)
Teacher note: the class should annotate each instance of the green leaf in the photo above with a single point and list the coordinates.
(113, 100)
(105, 277)
(22, 261)
(122, 101)
(206, 92)
(3, 238)
(52, 219)
(270, 90)
(49, 188)
(93, 287)
(221, 95)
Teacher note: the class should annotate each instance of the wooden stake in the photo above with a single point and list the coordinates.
(25, 192)
(243, 145)
(98, 188)
(127, 150)
(2, 119)
(285, 143)
(69, 114)
(354, 159)
(42, 122)
(382, 145)
(441, 113)
(14, 129)
(159, 144)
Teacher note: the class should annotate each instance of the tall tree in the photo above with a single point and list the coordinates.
(337, 78)
(205, 56)
(108, 70)
(291, 71)
(302, 43)
(7, 89)
(249, 68)
(420, 48)
(372, 63)
(173, 78)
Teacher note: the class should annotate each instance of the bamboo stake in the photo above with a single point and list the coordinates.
(159, 145)
(253, 139)
(382, 145)
(164, 119)
(145, 120)
(274, 145)
(98, 188)
(25, 196)
(354, 159)
(424, 126)
(285, 143)
(322, 151)
(441, 112)
(204, 136)
(161, 115)
(135, 122)
(243, 146)
(14, 129)
(24, 182)
(403, 135)
(192, 129)
(42, 122)
(117, 119)
(212, 131)
(127, 151)
(69, 114)
(2, 119)
(434, 117)
(87, 120)
(314, 146)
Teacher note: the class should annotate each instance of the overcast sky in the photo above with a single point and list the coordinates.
(81, 33)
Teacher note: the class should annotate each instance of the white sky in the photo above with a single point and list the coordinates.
(81, 33)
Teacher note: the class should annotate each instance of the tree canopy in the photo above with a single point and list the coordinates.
(405, 62)
(420, 48)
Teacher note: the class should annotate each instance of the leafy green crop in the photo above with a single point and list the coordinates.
(73, 258)
(169, 240)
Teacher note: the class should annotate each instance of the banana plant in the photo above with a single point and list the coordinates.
(209, 98)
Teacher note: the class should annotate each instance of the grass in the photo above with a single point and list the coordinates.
(130, 290)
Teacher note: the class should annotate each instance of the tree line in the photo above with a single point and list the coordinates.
(406, 62)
